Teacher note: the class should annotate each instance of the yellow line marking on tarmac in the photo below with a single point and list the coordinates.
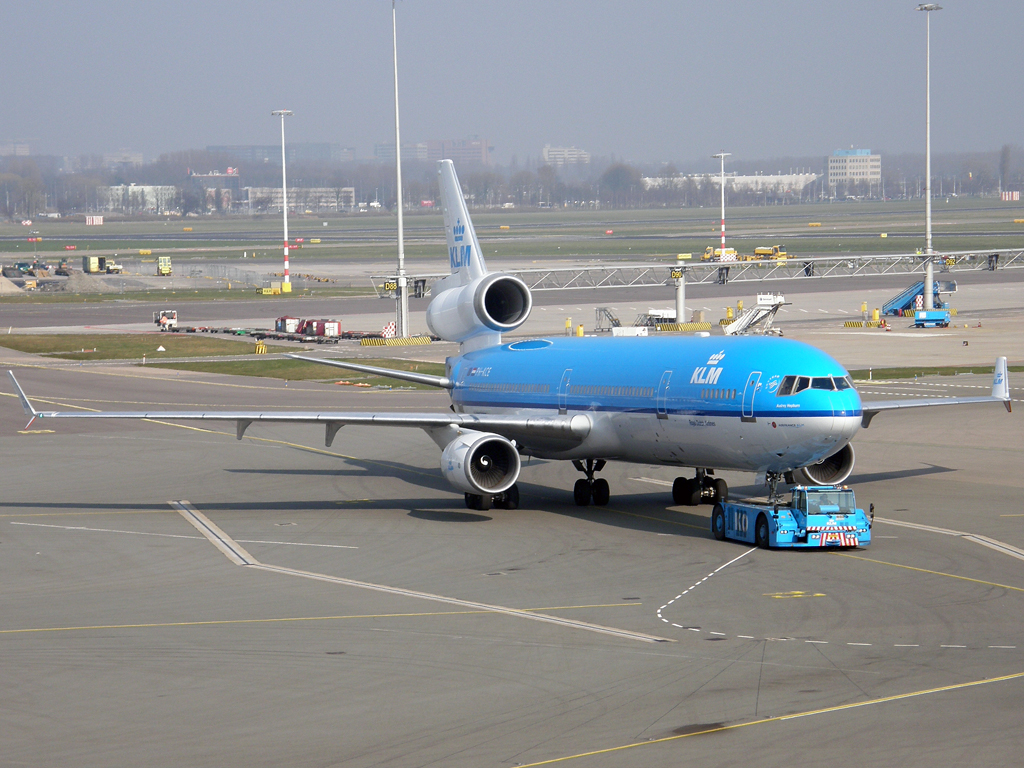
(782, 718)
(1022, 515)
(214, 622)
(934, 573)
(35, 431)
(656, 519)
(788, 595)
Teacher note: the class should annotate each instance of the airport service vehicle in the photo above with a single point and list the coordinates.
(771, 252)
(715, 254)
(166, 319)
(767, 405)
(816, 516)
(163, 266)
(931, 318)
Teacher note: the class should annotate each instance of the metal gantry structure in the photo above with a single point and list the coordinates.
(591, 276)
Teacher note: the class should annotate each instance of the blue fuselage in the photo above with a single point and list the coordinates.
(751, 403)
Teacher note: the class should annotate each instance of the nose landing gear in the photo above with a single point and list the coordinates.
(702, 489)
(590, 489)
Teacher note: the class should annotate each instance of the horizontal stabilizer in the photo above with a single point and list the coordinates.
(1000, 394)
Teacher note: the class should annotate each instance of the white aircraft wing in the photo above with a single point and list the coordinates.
(569, 428)
(1000, 394)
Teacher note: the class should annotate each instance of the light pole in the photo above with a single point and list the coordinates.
(722, 156)
(928, 268)
(403, 294)
(284, 193)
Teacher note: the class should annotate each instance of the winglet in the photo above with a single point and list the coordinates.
(25, 404)
(1001, 383)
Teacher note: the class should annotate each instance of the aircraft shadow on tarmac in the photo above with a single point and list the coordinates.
(878, 477)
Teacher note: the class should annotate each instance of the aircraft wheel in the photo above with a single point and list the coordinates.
(721, 490)
(681, 491)
(510, 499)
(718, 522)
(471, 500)
(581, 493)
(693, 492)
(761, 532)
(601, 492)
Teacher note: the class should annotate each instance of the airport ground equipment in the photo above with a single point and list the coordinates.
(605, 315)
(163, 266)
(907, 299)
(815, 516)
(757, 320)
(931, 318)
(166, 319)
(771, 252)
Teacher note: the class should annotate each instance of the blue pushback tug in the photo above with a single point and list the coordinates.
(816, 516)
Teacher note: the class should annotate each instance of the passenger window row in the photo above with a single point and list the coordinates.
(612, 391)
(718, 394)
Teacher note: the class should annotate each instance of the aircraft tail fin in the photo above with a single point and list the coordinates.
(464, 254)
(1001, 382)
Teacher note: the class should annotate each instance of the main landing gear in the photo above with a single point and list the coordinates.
(506, 500)
(591, 489)
(700, 490)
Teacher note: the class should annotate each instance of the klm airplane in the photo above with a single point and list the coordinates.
(759, 404)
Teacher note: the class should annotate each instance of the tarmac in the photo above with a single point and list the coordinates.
(173, 596)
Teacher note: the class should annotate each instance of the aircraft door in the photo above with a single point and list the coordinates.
(662, 405)
(749, 392)
(563, 391)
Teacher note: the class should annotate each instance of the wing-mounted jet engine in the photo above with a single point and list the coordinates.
(832, 470)
(471, 306)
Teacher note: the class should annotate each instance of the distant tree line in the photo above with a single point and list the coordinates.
(31, 185)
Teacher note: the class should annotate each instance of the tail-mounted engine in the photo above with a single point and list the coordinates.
(489, 305)
(831, 470)
(480, 463)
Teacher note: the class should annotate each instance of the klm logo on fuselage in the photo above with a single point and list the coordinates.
(705, 375)
(710, 373)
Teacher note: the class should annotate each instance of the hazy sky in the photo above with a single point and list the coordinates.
(647, 80)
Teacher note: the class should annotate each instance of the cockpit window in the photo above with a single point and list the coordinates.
(790, 385)
(843, 383)
(823, 382)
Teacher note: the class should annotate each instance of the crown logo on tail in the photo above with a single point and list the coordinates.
(458, 230)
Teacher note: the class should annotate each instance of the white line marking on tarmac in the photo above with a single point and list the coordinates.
(182, 536)
(217, 537)
(985, 541)
(239, 556)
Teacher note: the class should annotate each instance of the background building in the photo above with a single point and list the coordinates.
(295, 152)
(564, 155)
(847, 166)
(471, 151)
(301, 199)
(136, 198)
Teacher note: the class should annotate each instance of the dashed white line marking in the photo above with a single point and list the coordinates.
(867, 644)
(952, 646)
(818, 642)
(906, 645)
(1004, 647)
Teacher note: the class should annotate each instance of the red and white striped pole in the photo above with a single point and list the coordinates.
(722, 156)
(284, 189)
